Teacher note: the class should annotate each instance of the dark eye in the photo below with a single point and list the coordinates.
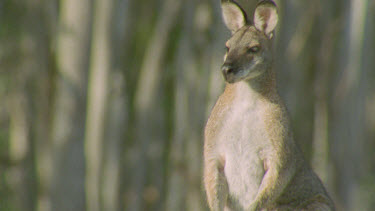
(254, 49)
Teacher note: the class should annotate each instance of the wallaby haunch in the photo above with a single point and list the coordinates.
(251, 161)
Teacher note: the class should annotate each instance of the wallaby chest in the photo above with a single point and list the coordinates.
(242, 140)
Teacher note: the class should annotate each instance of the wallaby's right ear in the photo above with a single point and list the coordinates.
(234, 16)
(265, 17)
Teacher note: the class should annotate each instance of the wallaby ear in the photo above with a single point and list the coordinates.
(265, 17)
(234, 16)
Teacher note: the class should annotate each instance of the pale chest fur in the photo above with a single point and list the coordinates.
(241, 140)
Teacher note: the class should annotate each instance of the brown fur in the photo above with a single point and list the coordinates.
(288, 182)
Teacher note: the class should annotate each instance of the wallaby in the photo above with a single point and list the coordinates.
(251, 161)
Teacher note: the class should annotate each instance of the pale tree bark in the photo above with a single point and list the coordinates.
(116, 122)
(68, 162)
(196, 66)
(97, 99)
(148, 179)
(295, 65)
(117, 113)
(29, 108)
(20, 144)
(348, 119)
(176, 185)
(365, 199)
(42, 32)
(328, 30)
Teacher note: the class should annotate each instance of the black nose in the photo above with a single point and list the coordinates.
(227, 69)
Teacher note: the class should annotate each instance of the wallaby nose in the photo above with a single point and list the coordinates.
(227, 69)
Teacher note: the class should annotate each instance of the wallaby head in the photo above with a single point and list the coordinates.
(249, 50)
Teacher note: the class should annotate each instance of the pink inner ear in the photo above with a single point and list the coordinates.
(265, 15)
(233, 17)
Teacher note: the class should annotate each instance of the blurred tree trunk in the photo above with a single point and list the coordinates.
(176, 185)
(43, 66)
(30, 108)
(20, 143)
(366, 199)
(101, 64)
(117, 112)
(116, 122)
(348, 120)
(295, 66)
(325, 33)
(196, 65)
(68, 166)
(148, 177)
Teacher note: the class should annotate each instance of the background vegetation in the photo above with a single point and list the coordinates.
(103, 102)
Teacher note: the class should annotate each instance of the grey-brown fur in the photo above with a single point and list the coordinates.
(251, 161)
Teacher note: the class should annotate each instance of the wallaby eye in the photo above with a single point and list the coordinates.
(254, 49)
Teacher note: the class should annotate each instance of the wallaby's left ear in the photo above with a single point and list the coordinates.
(265, 17)
(234, 16)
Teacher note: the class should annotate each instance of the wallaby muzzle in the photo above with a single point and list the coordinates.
(229, 72)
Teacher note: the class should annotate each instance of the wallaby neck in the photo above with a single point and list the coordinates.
(263, 86)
